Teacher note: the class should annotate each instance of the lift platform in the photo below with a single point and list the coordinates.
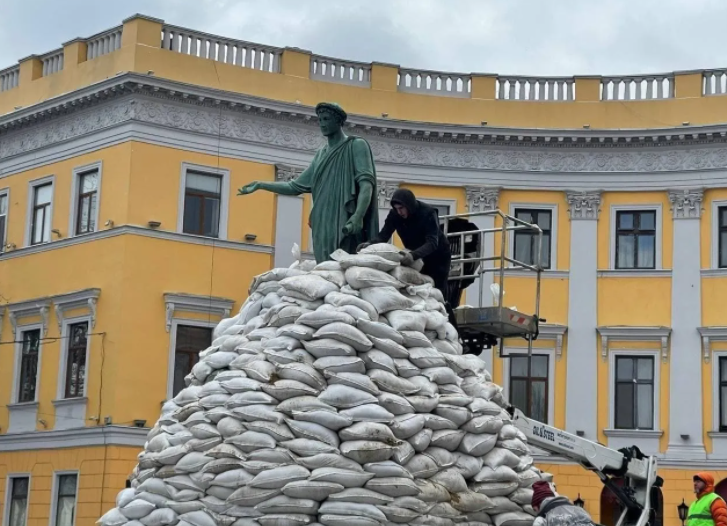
(475, 262)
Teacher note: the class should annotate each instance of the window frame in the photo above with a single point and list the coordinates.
(634, 381)
(15, 398)
(78, 172)
(451, 204)
(64, 355)
(5, 192)
(716, 356)
(173, 346)
(54, 495)
(715, 248)
(8, 496)
(224, 175)
(32, 185)
(634, 353)
(636, 233)
(553, 209)
(546, 351)
(658, 241)
(547, 265)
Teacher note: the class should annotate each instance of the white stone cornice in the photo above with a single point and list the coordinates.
(583, 205)
(686, 204)
(86, 299)
(25, 309)
(635, 334)
(175, 301)
(386, 189)
(482, 198)
(709, 335)
(553, 332)
(285, 173)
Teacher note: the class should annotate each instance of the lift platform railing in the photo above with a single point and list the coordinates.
(474, 255)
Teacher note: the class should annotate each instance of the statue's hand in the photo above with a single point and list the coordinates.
(353, 227)
(249, 188)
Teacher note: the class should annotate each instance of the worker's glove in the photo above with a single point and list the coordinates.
(407, 259)
(362, 246)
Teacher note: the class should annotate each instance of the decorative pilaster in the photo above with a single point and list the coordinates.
(386, 191)
(285, 173)
(686, 204)
(482, 198)
(583, 205)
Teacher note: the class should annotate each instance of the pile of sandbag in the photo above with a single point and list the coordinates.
(338, 395)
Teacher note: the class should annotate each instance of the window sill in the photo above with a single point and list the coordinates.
(23, 405)
(526, 273)
(635, 273)
(634, 433)
(714, 272)
(717, 434)
(70, 401)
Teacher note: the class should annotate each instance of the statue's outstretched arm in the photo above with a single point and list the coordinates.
(280, 188)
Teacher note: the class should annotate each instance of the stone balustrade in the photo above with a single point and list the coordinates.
(714, 82)
(52, 62)
(104, 43)
(341, 71)
(9, 78)
(536, 88)
(439, 83)
(638, 87)
(228, 51)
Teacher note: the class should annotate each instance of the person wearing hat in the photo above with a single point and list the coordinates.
(556, 510)
(709, 509)
(341, 180)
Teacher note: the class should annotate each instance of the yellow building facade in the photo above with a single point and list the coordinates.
(123, 242)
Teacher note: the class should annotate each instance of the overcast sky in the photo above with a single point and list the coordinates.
(531, 37)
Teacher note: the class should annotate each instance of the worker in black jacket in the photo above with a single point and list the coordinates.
(417, 224)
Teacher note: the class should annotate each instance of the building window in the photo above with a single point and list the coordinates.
(634, 392)
(41, 220)
(723, 393)
(87, 202)
(189, 342)
(529, 385)
(29, 365)
(18, 505)
(526, 242)
(3, 220)
(202, 197)
(722, 212)
(76, 359)
(65, 504)
(636, 239)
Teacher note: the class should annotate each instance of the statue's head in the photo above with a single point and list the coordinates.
(330, 117)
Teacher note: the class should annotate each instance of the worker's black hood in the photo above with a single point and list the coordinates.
(406, 198)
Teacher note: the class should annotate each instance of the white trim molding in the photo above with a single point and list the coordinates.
(224, 195)
(54, 495)
(8, 495)
(647, 439)
(83, 437)
(77, 173)
(714, 248)
(550, 353)
(635, 334)
(86, 298)
(553, 209)
(482, 198)
(553, 332)
(180, 301)
(686, 204)
(710, 335)
(451, 204)
(25, 309)
(32, 185)
(658, 241)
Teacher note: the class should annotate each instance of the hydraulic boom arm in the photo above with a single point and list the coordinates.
(637, 470)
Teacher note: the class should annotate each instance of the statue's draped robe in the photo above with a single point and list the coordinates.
(333, 179)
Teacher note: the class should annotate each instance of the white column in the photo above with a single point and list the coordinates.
(482, 199)
(288, 218)
(582, 356)
(386, 190)
(685, 415)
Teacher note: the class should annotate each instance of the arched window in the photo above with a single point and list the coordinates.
(611, 508)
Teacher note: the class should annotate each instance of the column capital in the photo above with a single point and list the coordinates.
(285, 173)
(686, 204)
(583, 205)
(386, 190)
(482, 198)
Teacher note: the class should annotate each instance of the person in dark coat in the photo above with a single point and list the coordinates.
(417, 224)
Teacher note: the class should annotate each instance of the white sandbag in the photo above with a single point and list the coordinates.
(284, 389)
(396, 515)
(334, 276)
(124, 497)
(387, 468)
(332, 421)
(338, 299)
(160, 517)
(426, 357)
(286, 519)
(515, 445)
(522, 496)
(279, 477)
(499, 474)
(423, 404)
(361, 496)
(322, 317)
(415, 339)
(366, 451)
(276, 455)
(432, 492)
(444, 510)
(368, 413)
(495, 489)
(451, 479)
(308, 489)
(259, 370)
(470, 501)
(422, 467)
(345, 477)
(253, 413)
(352, 508)
(356, 312)
(403, 453)
(395, 403)
(378, 360)
(282, 343)
(502, 505)
(311, 286)
(484, 424)
(180, 508)
(406, 426)
(406, 368)
(137, 509)
(355, 380)
(248, 496)
(410, 276)
(501, 457)
(527, 478)
(402, 320)
(233, 478)
(313, 431)
(285, 504)
(275, 431)
(379, 330)
(305, 447)
(390, 347)
(344, 397)
(513, 518)
(302, 373)
(384, 250)
(249, 398)
(340, 364)
(287, 315)
(239, 385)
(158, 486)
(347, 520)
(365, 260)
(362, 278)
(449, 439)
(442, 457)
(394, 486)
(468, 465)
(477, 445)
(439, 423)
(421, 440)
(328, 265)
(345, 333)
(296, 330)
(368, 431)
(113, 517)
(303, 403)
(328, 347)
(329, 460)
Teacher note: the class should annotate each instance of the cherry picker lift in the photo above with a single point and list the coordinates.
(628, 473)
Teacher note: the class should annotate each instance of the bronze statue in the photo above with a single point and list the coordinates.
(342, 182)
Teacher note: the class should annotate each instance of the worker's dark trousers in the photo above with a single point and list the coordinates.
(440, 275)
